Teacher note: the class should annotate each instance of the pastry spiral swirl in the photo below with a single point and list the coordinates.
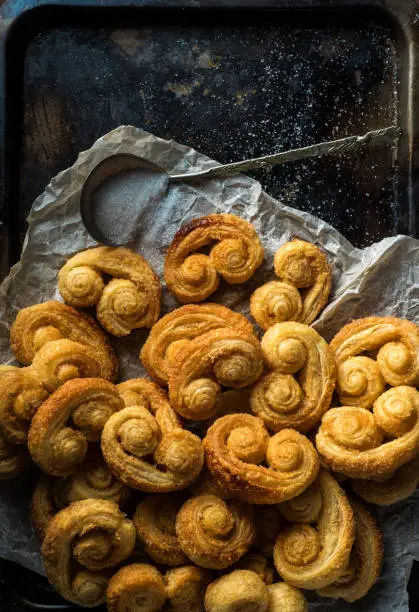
(176, 329)
(71, 417)
(21, 394)
(214, 533)
(185, 588)
(313, 557)
(130, 300)
(222, 357)
(235, 445)
(144, 444)
(361, 379)
(61, 360)
(282, 400)
(154, 520)
(92, 480)
(245, 591)
(37, 325)
(191, 276)
(80, 542)
(361, 444)
(365, 561)
(400, 485)
(138, 587)
(302, 291)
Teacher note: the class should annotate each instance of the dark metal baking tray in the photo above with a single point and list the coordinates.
(232, 78)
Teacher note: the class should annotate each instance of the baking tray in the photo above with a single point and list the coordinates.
(231, 78)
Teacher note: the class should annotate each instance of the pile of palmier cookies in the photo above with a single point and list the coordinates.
(237, 474)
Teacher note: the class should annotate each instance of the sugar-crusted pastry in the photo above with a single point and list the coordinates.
(220, 358)
(21, 393)
(176, 329)
(154, 520)
(302, 291)
(236, 445)
(37, 325)
(299, 388)
(138, 587)
(61, 360)
(71, 417)
(144, 444)
(185, 588)
(365, 561)
(371, 353)
(245, 590)
(364, 444)
(130, 300)
(311, 557)
(215, 533)
(80, 543)
(43, 507)
(400, 485)
(192, 276)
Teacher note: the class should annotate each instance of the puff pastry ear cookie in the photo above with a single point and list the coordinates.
(71, 417)
(257, 468)
(37, 325)
(80, 544)
(220, 358)
(302, 291)
(175, 330)
(193, 276)
(298, 390)
(374, 352)
(311, 557)
(130, 300)
(363, 444)
(145, 446)
(365, 561)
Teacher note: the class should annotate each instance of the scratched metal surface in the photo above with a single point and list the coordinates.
(231, 91)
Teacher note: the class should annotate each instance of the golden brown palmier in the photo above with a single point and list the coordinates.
(400, 485)
(215, 533)
(144, 444)
(185, 588)
(366, 558)
(236, 445)
(364, 444)
(191, 276)
(138, 587)
(268, 525)
(176, 329)
(245, 591)
(37, 325)
(256, 562)
(80, 543)
(222, 357)
(313, 557)
(130, 300)
(21, 393)
(71, 417)
(61, 360)
(92, 480)
(299, 389)
(371, 353)
(302, 292)
(154, 520)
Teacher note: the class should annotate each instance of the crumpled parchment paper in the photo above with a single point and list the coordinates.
(382, 279)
